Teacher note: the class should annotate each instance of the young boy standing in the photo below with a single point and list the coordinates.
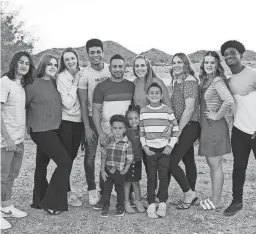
(117, 157)
(154, 118)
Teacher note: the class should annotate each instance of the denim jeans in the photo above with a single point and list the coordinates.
(10, 167)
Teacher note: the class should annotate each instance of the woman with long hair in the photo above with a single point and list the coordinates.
(71, 127)
(216, 102)
(44, 110)
(13, 129)
(185, 103)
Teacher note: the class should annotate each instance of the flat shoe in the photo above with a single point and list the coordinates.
(52, 212)
(185, 205)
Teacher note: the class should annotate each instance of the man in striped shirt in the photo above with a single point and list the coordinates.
(154, 119)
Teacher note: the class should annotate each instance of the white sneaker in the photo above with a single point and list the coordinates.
(93, 197)
(74, 201)
(5, 224)
(161, 211)
(152, 211)
(11, 211)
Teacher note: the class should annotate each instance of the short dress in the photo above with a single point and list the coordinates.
(214, 139)
(134, 172)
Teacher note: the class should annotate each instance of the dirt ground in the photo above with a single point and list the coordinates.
(85, 220)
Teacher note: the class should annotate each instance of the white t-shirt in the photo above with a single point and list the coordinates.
(90, 78)
(13, 113)
(243, 89)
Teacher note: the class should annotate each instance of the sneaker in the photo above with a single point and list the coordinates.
(139, 206)
(119, 212)
(99, 205)
(11, 211)
(128, 208)
(233, 208)
(5, 224)
(93, 197)
(104, 212)
(161, 211)
(152, 211)
(74, 201)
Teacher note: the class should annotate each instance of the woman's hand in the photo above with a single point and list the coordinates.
(211, 114)
(148, 151)
(77, 77)
(167, 132)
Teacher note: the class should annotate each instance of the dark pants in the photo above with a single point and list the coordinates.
(114, 179)
(184, 151)
(157, 164)
(242, 144)
(89, 159)
(70, 134)
(53, 195)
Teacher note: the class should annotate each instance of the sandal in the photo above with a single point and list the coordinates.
(207, 204)
(184, 205)
(175, 203)
(52, 212)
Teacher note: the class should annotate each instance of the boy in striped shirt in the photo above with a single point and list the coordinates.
(154, 119)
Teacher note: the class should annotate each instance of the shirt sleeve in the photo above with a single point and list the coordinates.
(98, 95)
(4, 90)
(83, 81)
(68, 95)
(225, 96)
(190, 89)
(142, 131)
(129, 153)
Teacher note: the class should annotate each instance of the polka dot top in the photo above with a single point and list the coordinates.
(188, 88)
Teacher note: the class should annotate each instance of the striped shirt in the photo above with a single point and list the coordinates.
(153, 122)
(13, 113)
(70, 104)
(218, 98)
(117, 154)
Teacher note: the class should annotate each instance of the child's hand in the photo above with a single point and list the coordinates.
(167, 150)
(148, 151)
(104, 175)
(167, 132)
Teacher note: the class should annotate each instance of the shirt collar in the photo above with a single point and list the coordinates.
(125, 139)
(68, 75)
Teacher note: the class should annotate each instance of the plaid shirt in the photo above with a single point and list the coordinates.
(117, 154)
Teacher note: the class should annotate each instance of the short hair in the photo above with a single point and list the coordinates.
(29, 77)
(44, 60)
(118, 118)
(154, 84)
(93, 42)
(232, 44)
(62, 64)
(117, 56)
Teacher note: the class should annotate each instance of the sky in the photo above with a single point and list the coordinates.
(139, 25)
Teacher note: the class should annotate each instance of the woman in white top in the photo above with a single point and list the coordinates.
(71, 128)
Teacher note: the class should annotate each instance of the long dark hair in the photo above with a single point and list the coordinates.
(219, 71)
(44, 60)
(26, 79)
(62, 64)
(188, 70)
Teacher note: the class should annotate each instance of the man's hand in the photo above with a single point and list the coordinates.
(167, 150)
(90, 135)
(124, 171)
(167, 132)
(148, 151)
(104, 175)
(9, 145)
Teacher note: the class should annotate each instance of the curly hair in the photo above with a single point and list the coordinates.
(29, 77)
(232, 44)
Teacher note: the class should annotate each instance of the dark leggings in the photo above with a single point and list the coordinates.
(184, 150)
(70, 134)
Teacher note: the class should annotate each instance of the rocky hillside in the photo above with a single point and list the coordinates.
(157, 57)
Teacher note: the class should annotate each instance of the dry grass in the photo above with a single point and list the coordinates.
(85, 220)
